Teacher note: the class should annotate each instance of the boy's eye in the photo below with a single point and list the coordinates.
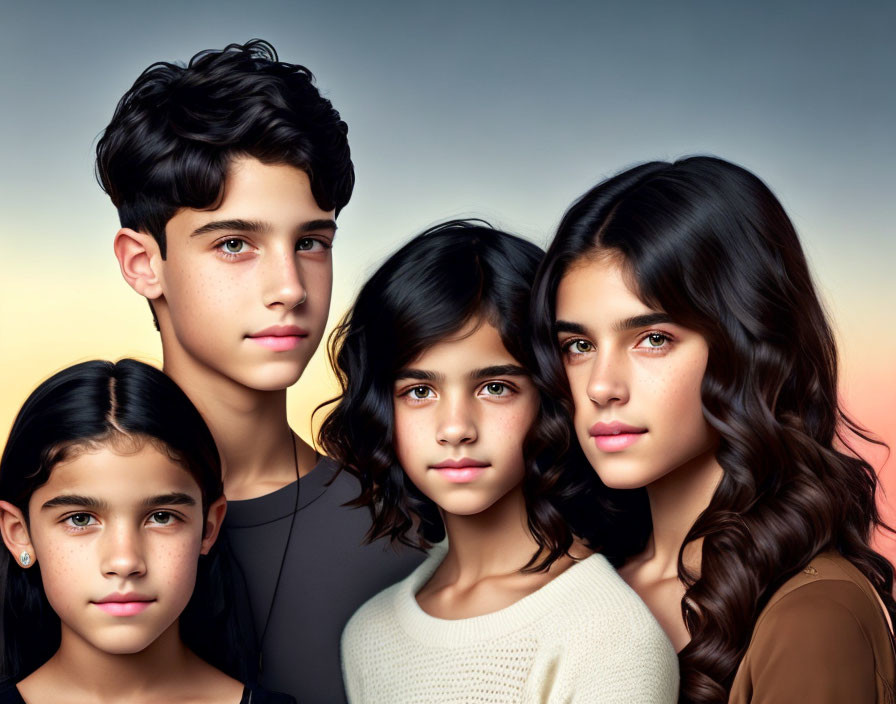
(306, 244)
(80, 520)
(233, 246)
(162, 518)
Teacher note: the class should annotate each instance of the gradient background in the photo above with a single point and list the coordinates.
(501, 110)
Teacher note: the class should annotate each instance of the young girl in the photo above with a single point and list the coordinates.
(441, 421)
(110, 503)
(677, 303)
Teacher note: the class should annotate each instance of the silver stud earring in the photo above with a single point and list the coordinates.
(25, 558)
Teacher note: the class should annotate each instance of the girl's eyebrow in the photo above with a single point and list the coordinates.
(420, 374)
(175, 498)
(636, 321)
(499, 370)
(75, 500)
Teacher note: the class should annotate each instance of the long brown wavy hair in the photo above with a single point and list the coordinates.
(708, 243)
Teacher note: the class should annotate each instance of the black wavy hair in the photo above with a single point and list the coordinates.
(709, 244)
(175, 132)
(86, 406)
(428, 290)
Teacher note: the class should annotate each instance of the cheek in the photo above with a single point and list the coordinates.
(173, 564)
(63, 565)
(410, 429)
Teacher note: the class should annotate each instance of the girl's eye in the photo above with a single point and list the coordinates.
(162, 518)
(655, 341)
(496, 388)
(577, 347)
(420, 392)
(80, 520)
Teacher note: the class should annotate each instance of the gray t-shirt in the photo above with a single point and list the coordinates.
(327, 574)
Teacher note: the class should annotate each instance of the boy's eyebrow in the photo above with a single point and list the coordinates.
(312, 225)
(75, 500)
(240, 225)
(499, 370)
(175, 498)
(237, 225)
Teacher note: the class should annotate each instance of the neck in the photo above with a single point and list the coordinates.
(250, 430)
(493, 542)
(109, 677)
(676, 501)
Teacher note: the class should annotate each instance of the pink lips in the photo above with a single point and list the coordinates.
(279, 338)
(460, 471)
(615, 436)
(124, 604)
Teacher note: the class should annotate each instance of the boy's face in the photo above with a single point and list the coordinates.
(246, 285)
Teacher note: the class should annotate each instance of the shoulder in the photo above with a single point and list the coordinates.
(829, 597)
(256, 694)
(609, 638)
(9, 694)
(823, 635)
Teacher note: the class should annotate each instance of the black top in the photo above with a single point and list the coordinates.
(327, 574)
(252, 694)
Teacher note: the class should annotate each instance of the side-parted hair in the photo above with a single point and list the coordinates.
(427, 291)
(175, 132)
(707, 242)
(82, 408)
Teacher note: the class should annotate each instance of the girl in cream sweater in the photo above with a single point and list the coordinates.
(441, 420)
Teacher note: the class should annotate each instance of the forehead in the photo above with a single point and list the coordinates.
(598, 290)
(117, 476)
(276, 194)
(476, 345)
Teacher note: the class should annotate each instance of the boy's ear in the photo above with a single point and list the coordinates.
(138, 258)
(15, 534)
(213, 523)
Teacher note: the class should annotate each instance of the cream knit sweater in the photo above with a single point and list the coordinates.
(583, 637)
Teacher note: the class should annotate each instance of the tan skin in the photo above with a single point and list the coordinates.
(467, 397)
(136, 540)
(627, 363)
(259, 259)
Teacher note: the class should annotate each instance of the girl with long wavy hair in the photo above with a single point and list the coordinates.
(676, 322)
(441, 422)
(112, 584)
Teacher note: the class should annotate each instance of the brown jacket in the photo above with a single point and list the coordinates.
(823, 638)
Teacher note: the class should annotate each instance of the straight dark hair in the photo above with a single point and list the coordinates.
(428, 290)
(87, 406)
(708, 243)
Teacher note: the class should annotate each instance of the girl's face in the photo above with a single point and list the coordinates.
(462, 411)
(635, 378)
(117, 537)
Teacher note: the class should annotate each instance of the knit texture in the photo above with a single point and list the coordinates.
(583, 637)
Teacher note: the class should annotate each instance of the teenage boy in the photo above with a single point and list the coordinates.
(228, 175)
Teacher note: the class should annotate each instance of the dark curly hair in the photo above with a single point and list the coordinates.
(709, 244)
(429, 289)
(175, 132)
(83, 407)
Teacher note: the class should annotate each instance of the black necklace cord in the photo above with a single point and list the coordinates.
(292, 523)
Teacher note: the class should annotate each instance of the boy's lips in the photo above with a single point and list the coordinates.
(279, 337)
